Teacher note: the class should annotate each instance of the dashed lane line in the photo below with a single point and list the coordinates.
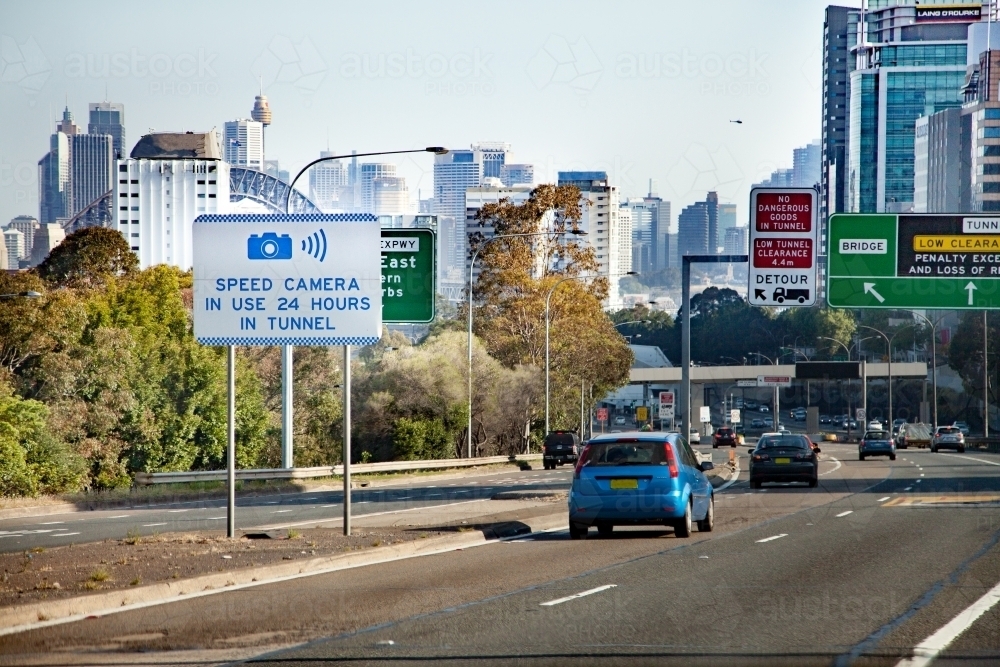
(575, 596)
(844, 513)
(773, 537)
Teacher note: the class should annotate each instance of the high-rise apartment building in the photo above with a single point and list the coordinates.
(243, 143)
(27, 225)
(806, 165)
(600, 221)
(736, 241)
(712, 204)
(910, 62)
(364, 187)
(168, 180)
(839, 38)
(454, 173)
(624, 241)
(327, 183)
(491, 193)
(14, 240)
(727, 218)
(390, 196)
(517, 174)
(109, 118)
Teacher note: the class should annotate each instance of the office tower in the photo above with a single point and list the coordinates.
(941, 163)
(243, 143)
(390, 196)
(92, 160)
(364, 188)
(600, 221)
(47, 237)
(168, 180)
(736, 241)
(14, 240)
(839, 37)
(109, 118)
(55, 199)
(692, 230)
(493, 155)
(454, 173)
(727, 218)
(517, 174)
(712, 203)
(327, 181)
(650, 226)
(27, 225)
(779, 178)
(911, 63)
(624, 240)
(805, 165)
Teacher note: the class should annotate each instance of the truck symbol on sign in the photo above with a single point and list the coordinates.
(800, 295)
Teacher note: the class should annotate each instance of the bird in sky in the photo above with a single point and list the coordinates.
(737, 121)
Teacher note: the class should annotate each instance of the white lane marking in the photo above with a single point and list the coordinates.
(175, 511)
(325, 506)
(272, 502)
(909, 488)
(773, 537)
(64, 534)
(150, 525)
(845, 513)
(119, 516)
(963, 456)
(882, 500)
(925, 652)
(280, 511)
(214, 518)
(835, 468)
(921, 474)
(51, 523)
(919, 480)
(577, 595)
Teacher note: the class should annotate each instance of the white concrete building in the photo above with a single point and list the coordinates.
(491, 193)
(243, 143)
(624, 240)
(736, 240)
(161, 189)
(47, 237)
(14, 240)
(600, 220)
(327, 182)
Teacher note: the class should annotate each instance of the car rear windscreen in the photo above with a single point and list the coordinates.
(949, 430)
(625, 453)
(876, 435)
(796, 441)
(559, 439)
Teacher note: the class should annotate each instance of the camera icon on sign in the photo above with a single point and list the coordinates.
(269, 246)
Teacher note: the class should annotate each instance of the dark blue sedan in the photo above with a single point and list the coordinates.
(877, 443)
(640, 479)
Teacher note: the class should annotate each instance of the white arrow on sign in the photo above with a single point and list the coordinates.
(870, 288)
(971, 287)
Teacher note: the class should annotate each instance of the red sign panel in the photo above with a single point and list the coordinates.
(785, 253)
(666, 398)
(602, 414)
(783, 212)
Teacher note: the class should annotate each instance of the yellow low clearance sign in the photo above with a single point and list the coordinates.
(955, 243)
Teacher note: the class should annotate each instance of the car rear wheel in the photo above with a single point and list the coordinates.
(754, 483)
(683, 526)
(892, 457)
(861, 457)
(961, 450)
(708, 523)
(813, 483)
(577, 531)
(605, 529)
(933, 449)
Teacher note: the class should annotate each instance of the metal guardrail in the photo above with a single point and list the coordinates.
(147, 478)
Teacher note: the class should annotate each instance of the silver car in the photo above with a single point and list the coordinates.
(948, 437)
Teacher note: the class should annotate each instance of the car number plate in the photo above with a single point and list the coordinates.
(782, 460)
(624, 484)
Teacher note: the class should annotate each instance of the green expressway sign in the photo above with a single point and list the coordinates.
(409, 269)
(913, 261)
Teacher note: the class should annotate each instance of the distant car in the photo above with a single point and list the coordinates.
(768, 422)
(852, 424)
(783, 458)
(694, 436)
(877, 443)
(756, 422)
(913, 435)
(896, 424)
(948, 437)
(560, 447)
(619, 420)
(763, 408)
(751, 404)
(825, 419)
(724, 436)
(641, 479)
(874, 425)
(962, 426)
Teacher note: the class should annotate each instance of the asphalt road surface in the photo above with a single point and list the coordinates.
(252, 512)
(856, 572)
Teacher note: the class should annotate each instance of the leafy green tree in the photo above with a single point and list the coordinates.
(88, 257)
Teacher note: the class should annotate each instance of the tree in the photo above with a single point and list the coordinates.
(517, 274)
(87, 257)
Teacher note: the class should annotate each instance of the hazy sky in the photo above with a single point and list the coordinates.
(639, 89)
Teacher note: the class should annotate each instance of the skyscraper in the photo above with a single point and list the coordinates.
(47, 237)
(109, 118)
(243, 143)
(517, 174)
(839, 36)
(364, 188)
(92, 160)
(454, 173)
(55, 199)
(14, 240)
(712, 203)
(727, 218)
(911, 63)
(692, 230)
(650, 228)
(390, 196)
(27, 225)
(493, 155)
(805, 165)
(736, 241)
(327, 182)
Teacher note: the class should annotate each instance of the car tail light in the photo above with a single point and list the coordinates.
(804, 457)
(579, 462)
(668, 451)
(961, 436)
(761, 457)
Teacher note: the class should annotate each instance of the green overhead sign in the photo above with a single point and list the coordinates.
(409, 269)
(913, 261)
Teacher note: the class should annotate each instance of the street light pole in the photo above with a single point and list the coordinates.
(888, 344)
(776, 420)
(933, 326)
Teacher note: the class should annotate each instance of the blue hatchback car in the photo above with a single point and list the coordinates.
(640, 479)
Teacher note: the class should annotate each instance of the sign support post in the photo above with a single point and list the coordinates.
(347, 440)
(231, 443)
(287, 352)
